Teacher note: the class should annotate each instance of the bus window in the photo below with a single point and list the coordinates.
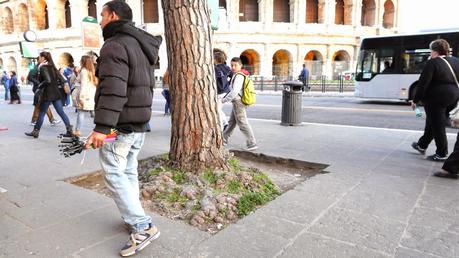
(386, 61)
(415, 60)
(368, 64)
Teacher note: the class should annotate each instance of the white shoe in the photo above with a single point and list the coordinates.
(55, 122)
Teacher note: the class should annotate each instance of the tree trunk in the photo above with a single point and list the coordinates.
(196, 140)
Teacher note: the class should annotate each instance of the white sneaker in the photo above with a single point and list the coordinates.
(251, 147)
(32, 123)
(55, 122)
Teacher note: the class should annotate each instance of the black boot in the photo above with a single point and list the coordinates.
(34, 133)
(69, 132)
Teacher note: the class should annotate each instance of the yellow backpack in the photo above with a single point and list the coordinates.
(249, 96)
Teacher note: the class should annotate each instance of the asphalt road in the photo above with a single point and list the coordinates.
(327, 110)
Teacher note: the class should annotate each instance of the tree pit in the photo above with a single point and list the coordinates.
(214, 199)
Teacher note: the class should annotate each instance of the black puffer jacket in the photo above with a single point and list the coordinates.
(124, 95)
(50, 81)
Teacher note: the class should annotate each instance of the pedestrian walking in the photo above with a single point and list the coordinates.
(66, 62)
(33, 78)
(165, 93)
(6, 85)
(450, 168)
(123, 102)
(50, 83)
(84, 91)
(438, 91)
(304, 77)
(14, 89)
(222, 76)
(238, 114)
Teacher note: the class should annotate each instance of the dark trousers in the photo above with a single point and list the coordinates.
(435, 129)
(452, 163)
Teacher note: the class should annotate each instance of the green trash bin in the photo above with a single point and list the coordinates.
(292, 98)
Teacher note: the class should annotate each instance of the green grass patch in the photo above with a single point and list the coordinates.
(234, 164)
(209, 176)
(155, 171)
(179, 177)
(175, 197)
(234, 187)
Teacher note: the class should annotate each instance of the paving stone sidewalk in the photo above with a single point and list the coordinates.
(378, 199)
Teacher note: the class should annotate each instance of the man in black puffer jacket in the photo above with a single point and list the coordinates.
(123, 102)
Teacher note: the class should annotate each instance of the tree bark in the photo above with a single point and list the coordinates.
(196, 139)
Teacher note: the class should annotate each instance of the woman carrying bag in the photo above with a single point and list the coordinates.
(439, 93)
(51, 82)
(84, 92)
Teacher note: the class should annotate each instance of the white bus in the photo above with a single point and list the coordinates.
(389, 67)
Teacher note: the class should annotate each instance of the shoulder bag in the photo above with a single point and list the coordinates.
(453, 114)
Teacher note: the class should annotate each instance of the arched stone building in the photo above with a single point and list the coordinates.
(273, 37)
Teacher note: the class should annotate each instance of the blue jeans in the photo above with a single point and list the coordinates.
(167, 107)
(119, 163)
(7, 92)
(44, 105)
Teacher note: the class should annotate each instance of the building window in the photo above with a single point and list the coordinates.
(312, 11)
(281, 11)
(68, 15)
(314, 62)
(388, 17)
(251, 61)
(92, 8)
(282, 63)
(222, 4)
(8, 25)
(248, 10)
(339, 12)
(150, 11)
(23, 18)
(341, 63)
(368, 13)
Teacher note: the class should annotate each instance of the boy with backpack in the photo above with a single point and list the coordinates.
(241, 96)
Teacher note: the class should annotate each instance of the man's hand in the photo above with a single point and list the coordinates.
(413, 105)
(95, 140)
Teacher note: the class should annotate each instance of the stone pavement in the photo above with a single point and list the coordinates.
(378, 199)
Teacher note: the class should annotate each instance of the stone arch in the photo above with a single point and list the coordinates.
(7, 21)
(63, 14)
(11, 65)
(368, 13)
(339, 12)
(248, 10)
(314, 62)
(251, 61)
(281, 11)
(389, 13)
(312, 11)
(150, 11)
(41, 15)
(340, 63)
(23, 18)
(92, 9)
(282, 63)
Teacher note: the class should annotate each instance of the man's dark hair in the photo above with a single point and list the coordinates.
(441, 46)
(120, 8)
(236, 59)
